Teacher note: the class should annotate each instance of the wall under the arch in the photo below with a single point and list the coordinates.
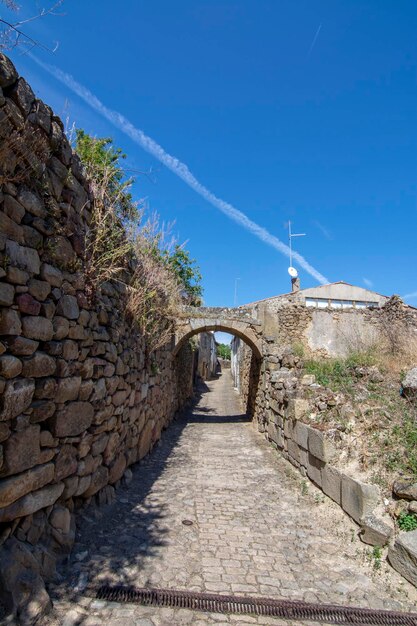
(81, 399)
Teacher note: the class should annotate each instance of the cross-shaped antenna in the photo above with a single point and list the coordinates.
(290, 236)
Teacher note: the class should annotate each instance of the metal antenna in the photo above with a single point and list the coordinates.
(235, 300)
(290, 236)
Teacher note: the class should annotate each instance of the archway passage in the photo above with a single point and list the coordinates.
(246, 359)
(244, 333)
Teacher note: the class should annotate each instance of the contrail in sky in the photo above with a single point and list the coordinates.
(176, 166)
(314, 41)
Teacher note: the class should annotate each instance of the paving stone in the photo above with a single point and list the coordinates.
(253, 532)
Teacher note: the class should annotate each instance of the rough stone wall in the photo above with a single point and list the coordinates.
(81, 399)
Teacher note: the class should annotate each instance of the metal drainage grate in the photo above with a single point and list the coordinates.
(285, 609)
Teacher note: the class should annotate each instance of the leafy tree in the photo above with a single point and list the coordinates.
(224, 351)
(188, 274)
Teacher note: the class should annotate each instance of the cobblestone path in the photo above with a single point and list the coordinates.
(255, 530)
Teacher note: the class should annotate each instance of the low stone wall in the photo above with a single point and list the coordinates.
(81, 397)
(283, 400)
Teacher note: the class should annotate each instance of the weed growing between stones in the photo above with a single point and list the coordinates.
(375, 556)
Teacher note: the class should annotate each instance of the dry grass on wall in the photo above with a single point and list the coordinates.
(108, 250)
(154, 298)
(130, 252)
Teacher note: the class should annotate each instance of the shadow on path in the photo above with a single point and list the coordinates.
(113, 541)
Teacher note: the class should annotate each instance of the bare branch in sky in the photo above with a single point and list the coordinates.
(11, 33)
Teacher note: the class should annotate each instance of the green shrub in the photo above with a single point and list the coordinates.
(407, 521)
(333, 373)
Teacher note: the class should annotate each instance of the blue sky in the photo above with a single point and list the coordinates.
(286, 109)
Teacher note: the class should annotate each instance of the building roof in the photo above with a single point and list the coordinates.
(338, 282)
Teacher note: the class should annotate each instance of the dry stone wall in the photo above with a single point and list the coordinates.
(81, 398)
(283, 401)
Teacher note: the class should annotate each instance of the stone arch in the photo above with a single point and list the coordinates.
(194, 327)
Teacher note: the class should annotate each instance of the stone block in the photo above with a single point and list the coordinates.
(72, 419)
(16, 397)
(314, 468)
(47, 440)
(22, 94)
(288, 428)
(10, 366)
(46, 388)
(303, 457)
(275, 406)
(27, 304)
(111, 448)
(99, 444)
(25, 258)
(275, 434)
(8, 73)
(66, 462)
(144, 391)
(83, 485)
(71, 485)
(403, 556)
(293, 450)
(4, 433)
(68, 307)
(308, 379)
(41, 411)
(375, 531)
(32, 502)
(52, 275)
(117, 468)
(358, 499)
(39, 289)
(61, 327)
(21, 346)
(297, 408)
(36, 327)
(70, 350)
(10, 228)
(13, 488)
(332, 483)
(405, 488)
(301, 434)
(22, 450)
(39, 365)
(60, 519)
(68, 389)
(6, 294)
(99, 479)
(10, 323)
(32, 203)
(319, 446)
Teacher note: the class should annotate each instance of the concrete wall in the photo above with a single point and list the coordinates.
(81, 396)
